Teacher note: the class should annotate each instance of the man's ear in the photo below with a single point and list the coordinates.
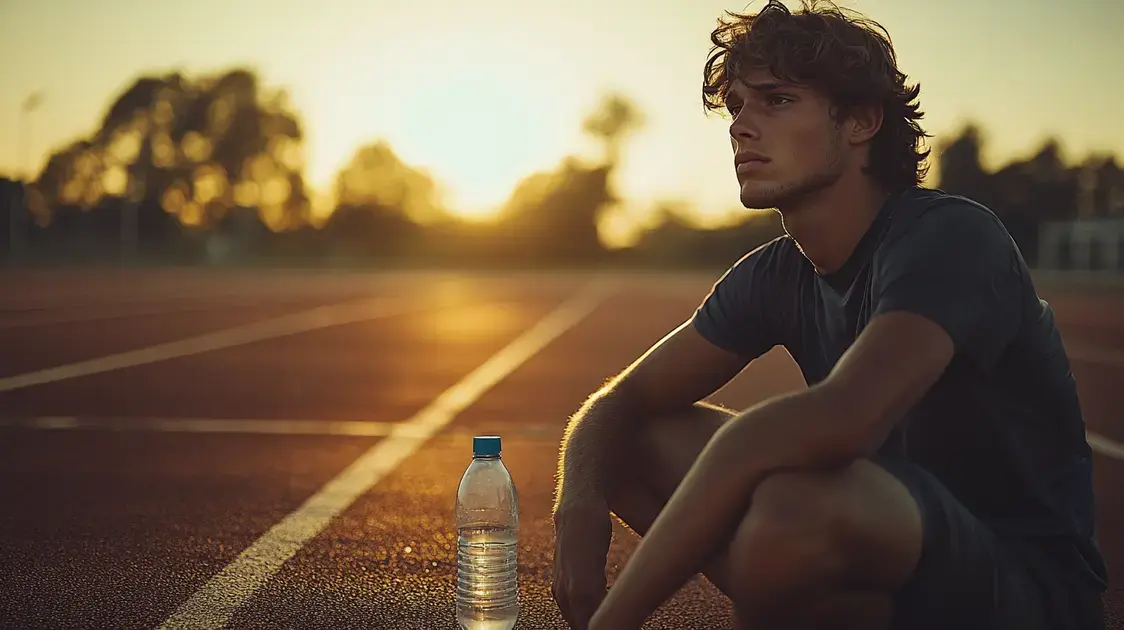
(863, 122)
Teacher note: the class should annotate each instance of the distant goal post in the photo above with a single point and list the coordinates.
(1092, 244)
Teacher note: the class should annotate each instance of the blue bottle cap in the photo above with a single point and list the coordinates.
(486, 446)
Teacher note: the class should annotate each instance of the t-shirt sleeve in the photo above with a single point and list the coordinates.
(957, 266)
(733, 315)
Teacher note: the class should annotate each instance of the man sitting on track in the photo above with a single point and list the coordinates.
(934, 474)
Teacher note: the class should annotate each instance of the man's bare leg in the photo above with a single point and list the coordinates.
(646, 476)
(785, 566)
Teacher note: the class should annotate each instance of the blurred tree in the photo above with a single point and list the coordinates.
(676, 240)
(189, 149)
(553, 216)
(380, 203)
(1101, 187)
(614, 118)
(376, 176)
(11, 195)
(1023, 193)
(961, 170)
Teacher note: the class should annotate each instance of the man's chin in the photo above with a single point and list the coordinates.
(760, 198)
(757, 195)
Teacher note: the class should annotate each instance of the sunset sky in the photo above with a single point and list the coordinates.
(483, 92)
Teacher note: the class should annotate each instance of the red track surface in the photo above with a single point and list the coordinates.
(109, 528)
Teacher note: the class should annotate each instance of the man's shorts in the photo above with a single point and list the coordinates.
(969, 578)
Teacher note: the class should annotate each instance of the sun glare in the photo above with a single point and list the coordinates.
(476, 135)
(474, 125)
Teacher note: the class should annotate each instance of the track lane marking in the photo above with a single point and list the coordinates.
(1104, 446)
(357, 428)
(10, 321)
(272, 328)
(265, 426)
(215, 602)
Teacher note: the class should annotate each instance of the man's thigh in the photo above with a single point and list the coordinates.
(650, 468)
(668, 446)
(968, 577)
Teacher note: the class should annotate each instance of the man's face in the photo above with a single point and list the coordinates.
(786, 144)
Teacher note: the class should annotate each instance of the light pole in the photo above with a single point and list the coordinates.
(18, 208)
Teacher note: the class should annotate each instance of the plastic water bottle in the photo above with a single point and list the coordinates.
(487, 540)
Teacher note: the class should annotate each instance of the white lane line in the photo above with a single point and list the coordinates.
(265, 426)
(355, 428)
(1099, 443)
(81, 314)
(1104, 446)
(204, 425)
(215, 602)
(294, 323)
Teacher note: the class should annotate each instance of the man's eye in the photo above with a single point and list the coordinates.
(733, 108)
(777, 99)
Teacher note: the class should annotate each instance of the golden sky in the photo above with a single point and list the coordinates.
(484, 92)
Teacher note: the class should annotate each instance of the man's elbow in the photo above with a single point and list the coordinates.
(866, 439)
(628, 400)
(610, 407)
(863, 429)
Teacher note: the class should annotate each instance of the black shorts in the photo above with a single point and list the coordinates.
(969, 578)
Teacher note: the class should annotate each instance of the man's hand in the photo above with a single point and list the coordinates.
(582, 531)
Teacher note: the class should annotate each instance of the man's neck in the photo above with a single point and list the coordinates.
(829, 224)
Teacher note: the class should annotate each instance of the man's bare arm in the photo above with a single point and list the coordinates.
(676, 372)
(888, 369)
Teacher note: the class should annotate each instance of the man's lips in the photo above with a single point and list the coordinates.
(749, 157)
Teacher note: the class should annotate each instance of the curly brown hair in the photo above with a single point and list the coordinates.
(841, 53)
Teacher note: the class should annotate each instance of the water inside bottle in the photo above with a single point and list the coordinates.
(487, 587)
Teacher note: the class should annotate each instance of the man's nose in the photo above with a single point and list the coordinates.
(744, 127)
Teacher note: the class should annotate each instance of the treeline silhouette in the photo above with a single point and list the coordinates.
(210, 168)
(1040, 189)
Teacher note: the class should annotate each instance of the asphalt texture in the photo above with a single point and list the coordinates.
(126, 487)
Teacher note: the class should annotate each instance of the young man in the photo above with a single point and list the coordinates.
(935, 472)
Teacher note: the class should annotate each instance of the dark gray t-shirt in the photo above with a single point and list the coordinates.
(1002, 428)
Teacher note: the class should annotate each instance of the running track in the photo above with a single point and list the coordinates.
(199, 449)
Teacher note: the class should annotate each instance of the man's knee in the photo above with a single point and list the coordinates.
(793, 535)
(804, 530)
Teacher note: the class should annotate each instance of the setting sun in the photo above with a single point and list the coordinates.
(477, 119)
(478, 138)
